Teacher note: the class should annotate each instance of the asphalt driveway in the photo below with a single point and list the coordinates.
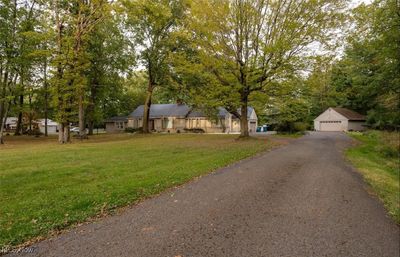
(299, 200)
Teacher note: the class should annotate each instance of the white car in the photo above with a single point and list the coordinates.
(76, 130)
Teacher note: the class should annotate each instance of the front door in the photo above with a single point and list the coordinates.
(151, 124)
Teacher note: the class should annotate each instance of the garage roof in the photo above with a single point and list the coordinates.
(349, 114)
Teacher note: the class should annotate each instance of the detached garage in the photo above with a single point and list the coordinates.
(339, 119)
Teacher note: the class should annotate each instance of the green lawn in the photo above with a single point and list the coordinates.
(377, 157)
(45, 186)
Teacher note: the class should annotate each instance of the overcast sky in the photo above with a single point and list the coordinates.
(354, 3)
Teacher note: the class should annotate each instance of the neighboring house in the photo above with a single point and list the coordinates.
(178, 117)
(11, 124)
(339, 119)
(52, 126)
(116, 124)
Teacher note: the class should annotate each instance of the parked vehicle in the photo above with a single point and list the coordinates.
(263, 128)
(76, 130)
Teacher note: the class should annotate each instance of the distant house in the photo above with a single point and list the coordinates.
(11, 124)
(339, 119)
(178, 117)
(116, 124)
(39, 124)
(52, 126)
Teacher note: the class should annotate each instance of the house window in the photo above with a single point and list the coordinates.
(167, 123)
(120, 125)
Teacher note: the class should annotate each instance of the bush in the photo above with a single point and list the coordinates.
(194, 130)
(290, 127)
(33, 132)
(300, 126)
(133, 130)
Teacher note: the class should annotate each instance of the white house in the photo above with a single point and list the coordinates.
(339, 119)
(11, 123)
(52, 126)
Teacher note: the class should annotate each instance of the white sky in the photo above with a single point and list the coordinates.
(354, 3)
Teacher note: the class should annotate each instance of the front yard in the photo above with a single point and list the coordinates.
(46, 187)
(377, 157)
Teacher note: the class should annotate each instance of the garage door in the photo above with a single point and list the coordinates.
(330, 125)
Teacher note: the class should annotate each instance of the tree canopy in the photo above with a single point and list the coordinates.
(80, 62)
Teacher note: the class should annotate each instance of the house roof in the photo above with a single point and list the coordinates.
(11, 120)
(198, 113)
(49, 122)
(162, 110)
(349, 114)
(117, 118)
(178, 110)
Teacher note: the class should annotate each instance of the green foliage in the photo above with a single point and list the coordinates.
(150, 24)
(234, 49)
(368, 75)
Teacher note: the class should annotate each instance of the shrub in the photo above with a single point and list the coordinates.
(133, 130)
(299, 126)
(194, 130)
(33, 132)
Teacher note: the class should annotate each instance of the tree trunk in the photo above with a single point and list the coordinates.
(81, 116)
(3, 121)
(244, 125)
(67, 134)
(46, 99)
(91, 127)
(3, 96)
(92, 105)
(18, 130)
(45, 121)
(60, 133)
(146, 109)
(63, 133)
(30, 113)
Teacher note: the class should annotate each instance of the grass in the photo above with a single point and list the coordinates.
(45, 187)
(377, 158)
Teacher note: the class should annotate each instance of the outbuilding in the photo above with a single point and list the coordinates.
(339, 119)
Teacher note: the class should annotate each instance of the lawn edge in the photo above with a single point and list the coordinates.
(367, 185)
(121, 209)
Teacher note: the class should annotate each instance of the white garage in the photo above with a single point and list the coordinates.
(339, 119)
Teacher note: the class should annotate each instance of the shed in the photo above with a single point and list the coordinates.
(339, 119)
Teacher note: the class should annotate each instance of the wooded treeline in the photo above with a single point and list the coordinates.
(82, 61)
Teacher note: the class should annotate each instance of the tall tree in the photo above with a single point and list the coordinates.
(369, 72)
(152, 23)
(106, 42)
(74, 21)
(17, 21)
(248, 44)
